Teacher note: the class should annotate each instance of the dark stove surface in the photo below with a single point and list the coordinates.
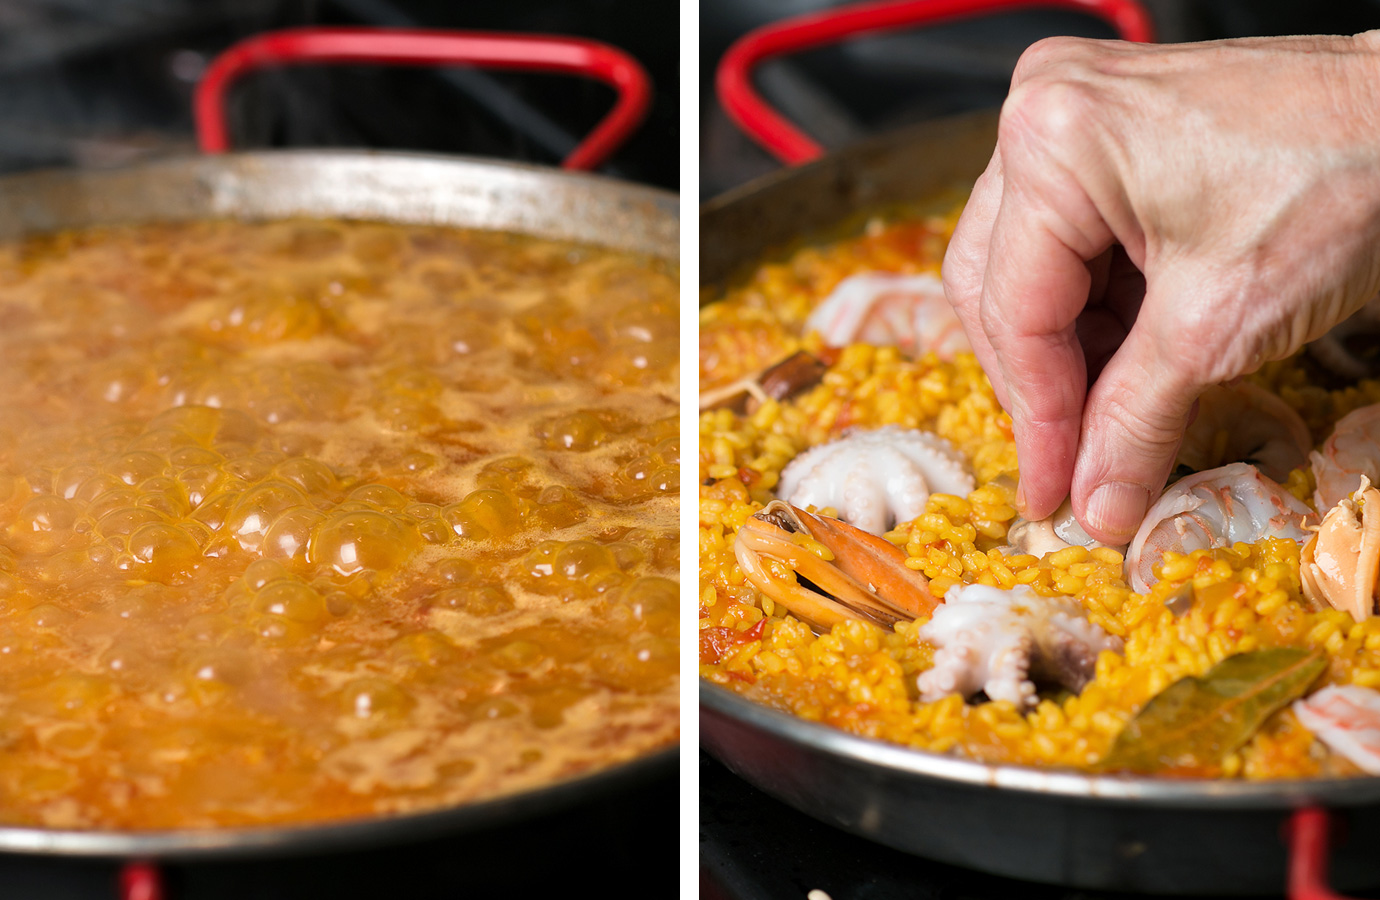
(753, 847)
(624, 845)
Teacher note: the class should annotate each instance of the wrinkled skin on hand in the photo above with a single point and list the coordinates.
(1157, 219)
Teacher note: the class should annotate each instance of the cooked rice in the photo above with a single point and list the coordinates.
(861, 678)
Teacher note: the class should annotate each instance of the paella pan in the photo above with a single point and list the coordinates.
(235, 385)
(114, 226)
(813, 730)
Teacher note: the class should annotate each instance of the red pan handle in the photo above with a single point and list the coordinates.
(411, 47)
(1308, 841)
(792, 146)
(141, 881)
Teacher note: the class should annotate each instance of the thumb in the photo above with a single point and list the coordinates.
(1133, 423)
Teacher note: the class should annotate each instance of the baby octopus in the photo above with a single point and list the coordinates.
(876, 478)
(1001, 642)
(905, 311)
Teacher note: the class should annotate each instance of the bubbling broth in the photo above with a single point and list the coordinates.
(309, 520)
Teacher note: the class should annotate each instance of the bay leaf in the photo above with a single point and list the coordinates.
(1191, 726)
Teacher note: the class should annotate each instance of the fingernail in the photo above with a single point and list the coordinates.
(1117, 508)
(1020, 498)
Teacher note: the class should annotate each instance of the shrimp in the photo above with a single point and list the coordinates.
(905, 311)
(1347, 719)
(1340, 565)
(1352, 450)
(1245, 423)
(1210, 509)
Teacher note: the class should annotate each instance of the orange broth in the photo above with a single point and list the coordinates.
(310, 520)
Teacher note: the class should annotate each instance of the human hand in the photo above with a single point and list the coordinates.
(1157, 219)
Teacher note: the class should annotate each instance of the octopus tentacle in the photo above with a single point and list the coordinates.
(1001, 642)
(876, 478)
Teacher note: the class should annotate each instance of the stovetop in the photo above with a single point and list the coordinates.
(624, 844)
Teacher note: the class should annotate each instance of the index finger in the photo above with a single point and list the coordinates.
(1035, 286)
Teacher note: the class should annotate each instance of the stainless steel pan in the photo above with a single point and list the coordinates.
(1132, 834)
(393, 187)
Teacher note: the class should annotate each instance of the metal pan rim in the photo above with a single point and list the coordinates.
(910, 763)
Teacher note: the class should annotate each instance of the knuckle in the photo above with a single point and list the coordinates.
(1047, 113)
(1213, 353)
(1058, 405)
(1044, 54)
(1150, 427)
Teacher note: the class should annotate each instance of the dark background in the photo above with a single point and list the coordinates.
(841, 93)
(102, 82)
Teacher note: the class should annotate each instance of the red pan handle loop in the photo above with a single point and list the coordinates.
(792, 146)
(411, 47)
(141, 881)
(1308, 842)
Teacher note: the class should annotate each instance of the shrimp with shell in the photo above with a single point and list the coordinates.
(1350, 452)
(1339, 567)
(1211, 509)
(1245, 423)
(1347, 719)
(826, 571)
(884, 309)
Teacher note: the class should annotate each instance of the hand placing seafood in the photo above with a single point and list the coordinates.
(1154, 222)
(933, 612)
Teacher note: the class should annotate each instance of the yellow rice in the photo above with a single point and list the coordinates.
(862, 678)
